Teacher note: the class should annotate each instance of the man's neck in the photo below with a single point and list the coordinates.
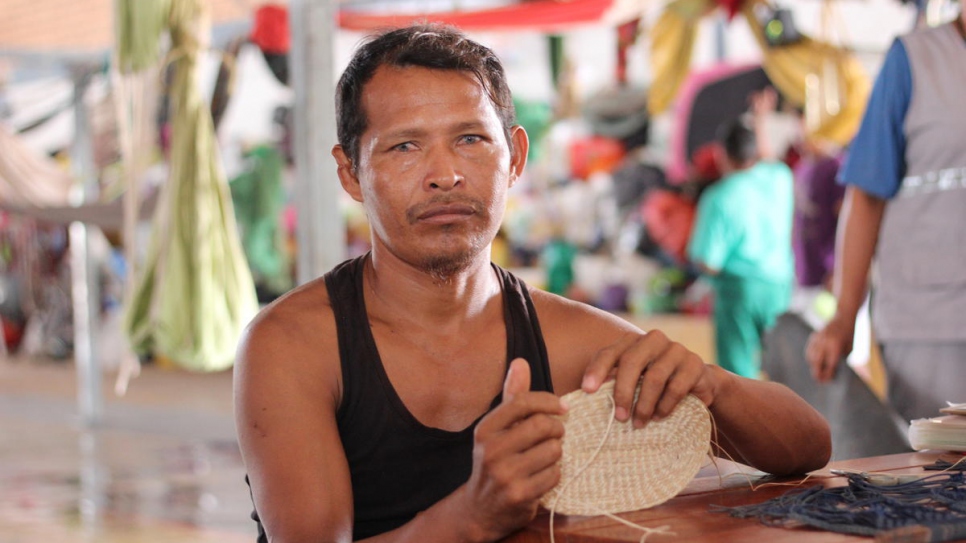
(394, 288)
(735, 167)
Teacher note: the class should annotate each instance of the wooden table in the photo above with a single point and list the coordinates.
(689, 517)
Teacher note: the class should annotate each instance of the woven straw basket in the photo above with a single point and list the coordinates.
(634, 468)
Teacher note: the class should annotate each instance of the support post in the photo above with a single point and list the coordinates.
(84, 288)
(320, 228)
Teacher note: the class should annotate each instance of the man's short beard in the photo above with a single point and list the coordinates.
(444, 267)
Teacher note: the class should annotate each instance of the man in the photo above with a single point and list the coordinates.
(381, 400)
(905, 177)
(742, 240)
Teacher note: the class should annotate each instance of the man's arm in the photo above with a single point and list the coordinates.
(767, 426)
(762, 424)
(286, 388)
(857, 237)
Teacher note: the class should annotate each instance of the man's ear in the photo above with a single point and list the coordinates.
(347, 174)
(519, 147)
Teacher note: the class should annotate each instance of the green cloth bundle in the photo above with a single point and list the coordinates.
(139, 25)
(194, 294)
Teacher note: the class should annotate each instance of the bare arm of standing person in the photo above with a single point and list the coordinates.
(856, 239)
(762, 424)
(875, 168)
(287, 393)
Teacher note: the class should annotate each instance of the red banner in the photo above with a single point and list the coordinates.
(541, 15)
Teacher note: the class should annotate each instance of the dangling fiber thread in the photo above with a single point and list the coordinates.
(750, 478)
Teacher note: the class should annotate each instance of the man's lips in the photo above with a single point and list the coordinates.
(443, 212)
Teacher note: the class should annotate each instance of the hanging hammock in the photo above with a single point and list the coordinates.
(27, 178)
(194, 293)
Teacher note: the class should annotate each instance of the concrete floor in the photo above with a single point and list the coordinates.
(161, 466)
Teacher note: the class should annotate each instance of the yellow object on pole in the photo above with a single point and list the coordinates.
(827, 80)
(672, 44)
(194, 294)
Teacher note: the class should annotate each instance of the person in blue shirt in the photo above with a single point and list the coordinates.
(905, 212)
(742, 241)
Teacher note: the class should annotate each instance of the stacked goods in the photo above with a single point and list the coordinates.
(946, 432)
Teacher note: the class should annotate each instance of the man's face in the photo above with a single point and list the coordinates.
(434, 166)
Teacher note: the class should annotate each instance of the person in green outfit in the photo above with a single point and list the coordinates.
(742, 240)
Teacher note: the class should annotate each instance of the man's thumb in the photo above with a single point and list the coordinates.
(517, 379)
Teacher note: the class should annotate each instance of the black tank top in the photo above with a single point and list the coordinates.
(398, 466)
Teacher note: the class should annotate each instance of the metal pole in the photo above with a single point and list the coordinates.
(720, 37)
(84, 291)
(321, 228)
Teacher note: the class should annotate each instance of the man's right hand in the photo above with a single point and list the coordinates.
(827, 347)
(515, 457)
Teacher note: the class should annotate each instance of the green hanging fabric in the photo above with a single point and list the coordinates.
(259, 199)
(139, 26)
(194, 293)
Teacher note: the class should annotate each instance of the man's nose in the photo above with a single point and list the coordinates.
(443, 170)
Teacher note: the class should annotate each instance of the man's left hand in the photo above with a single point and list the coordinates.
(666, 371)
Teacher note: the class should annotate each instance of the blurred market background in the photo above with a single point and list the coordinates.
(165, 170)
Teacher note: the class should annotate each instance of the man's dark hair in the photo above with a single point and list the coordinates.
(738, 140)
(434, 46)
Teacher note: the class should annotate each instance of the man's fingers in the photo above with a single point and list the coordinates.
(604, 361)
(532, 431)
(544, 481)
(540, 456)
(665, 371)
(663, 386)
(519, 408)
(517, 379)
(640, 365)
(681, 382)
(520, 489)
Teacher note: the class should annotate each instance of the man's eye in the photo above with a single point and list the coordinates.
(404, 147)
(471, 138)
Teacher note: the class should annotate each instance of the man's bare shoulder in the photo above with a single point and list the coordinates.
(294, 335)
(302, 313)
(574, 333)
(577, 318)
